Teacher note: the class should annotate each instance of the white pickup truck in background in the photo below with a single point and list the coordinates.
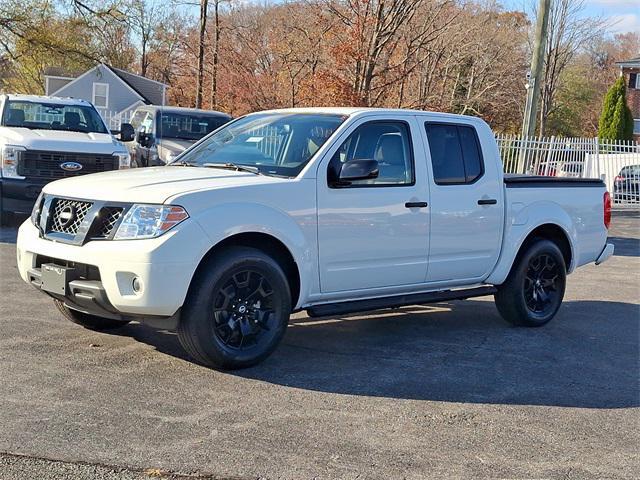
(48, 138)
(328, 210)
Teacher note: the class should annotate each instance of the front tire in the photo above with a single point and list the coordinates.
(534, 289)
(237, 309)
(91, 322)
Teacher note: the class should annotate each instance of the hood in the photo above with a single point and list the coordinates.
(151, 185)
(60, 140)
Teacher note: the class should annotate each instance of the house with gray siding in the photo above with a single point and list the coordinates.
(114, 92)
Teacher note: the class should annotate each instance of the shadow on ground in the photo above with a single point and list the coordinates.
(458, 352)
(625, 247)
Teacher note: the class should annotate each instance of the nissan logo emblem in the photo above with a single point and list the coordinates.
(71, 166)
(67, 216)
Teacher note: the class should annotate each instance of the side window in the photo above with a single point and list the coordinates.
(386, 142)
(147, 123)
(455, 153)
(137, 118)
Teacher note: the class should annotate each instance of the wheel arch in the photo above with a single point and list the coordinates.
(552, 231)
(267, 244)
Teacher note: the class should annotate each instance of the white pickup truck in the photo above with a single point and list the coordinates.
(330, 210)
(47, 138)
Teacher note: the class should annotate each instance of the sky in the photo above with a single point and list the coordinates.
(623, 15)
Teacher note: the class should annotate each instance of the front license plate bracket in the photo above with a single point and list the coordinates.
(55, 278)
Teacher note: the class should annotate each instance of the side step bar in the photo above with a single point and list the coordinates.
(341, 308)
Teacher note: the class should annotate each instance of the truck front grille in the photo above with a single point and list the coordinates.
(41, 164)
(73, 221)
(68, 215)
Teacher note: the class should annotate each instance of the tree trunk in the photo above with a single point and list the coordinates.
(204, 4)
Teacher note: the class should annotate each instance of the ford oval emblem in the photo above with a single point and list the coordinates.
(71, 166)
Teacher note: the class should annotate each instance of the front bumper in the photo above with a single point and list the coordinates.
(81, 294)
(163, 266)
(18, 196)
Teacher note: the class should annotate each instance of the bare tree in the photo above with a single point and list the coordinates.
(569, 32)
(146, 18)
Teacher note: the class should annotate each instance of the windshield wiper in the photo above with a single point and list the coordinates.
(234, 166)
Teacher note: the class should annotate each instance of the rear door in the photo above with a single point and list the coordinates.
(466, 203)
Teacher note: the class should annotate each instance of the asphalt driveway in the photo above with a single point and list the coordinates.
(446, 390)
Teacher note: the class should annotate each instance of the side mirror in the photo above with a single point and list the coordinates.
(358, 169)
(127, 133)
(144, 139)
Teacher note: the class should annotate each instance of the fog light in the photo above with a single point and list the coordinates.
(136, 284)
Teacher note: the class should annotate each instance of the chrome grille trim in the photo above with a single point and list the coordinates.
(68, 215)
(92, 220)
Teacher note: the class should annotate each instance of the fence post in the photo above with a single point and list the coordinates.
(547, 165)
(596, 143)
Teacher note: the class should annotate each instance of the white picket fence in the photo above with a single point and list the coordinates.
(114, 119)
(617, 163)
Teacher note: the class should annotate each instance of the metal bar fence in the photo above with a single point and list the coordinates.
(617, 163)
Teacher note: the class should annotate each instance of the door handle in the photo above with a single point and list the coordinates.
(487, 201)
(416, 204)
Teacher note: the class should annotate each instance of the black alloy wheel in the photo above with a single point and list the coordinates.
(243, 312)
(540, 288)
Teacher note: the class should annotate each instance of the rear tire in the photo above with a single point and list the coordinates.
(237, 309)
(91, 322)
(534, 289)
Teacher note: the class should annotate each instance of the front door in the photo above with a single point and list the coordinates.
(375, 233)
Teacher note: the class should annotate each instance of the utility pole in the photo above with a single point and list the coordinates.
(537, 64)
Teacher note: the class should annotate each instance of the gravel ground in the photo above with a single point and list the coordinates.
(438, 391)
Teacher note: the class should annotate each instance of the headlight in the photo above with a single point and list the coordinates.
(10, 155)
(124, 160)
(149, 221)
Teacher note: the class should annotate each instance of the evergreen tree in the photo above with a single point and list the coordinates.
(616, 121)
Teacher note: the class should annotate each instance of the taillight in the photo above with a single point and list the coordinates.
(607, 209)
(619, 178)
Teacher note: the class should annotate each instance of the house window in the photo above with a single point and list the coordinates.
(101, 95)
(634, 81)
(636, 126)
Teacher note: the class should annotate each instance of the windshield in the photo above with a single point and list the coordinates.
(52, 116)
(274, 143)
(187, 126)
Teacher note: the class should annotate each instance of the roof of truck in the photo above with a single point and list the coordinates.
(171, 109)
(358, 110)
(43, 98)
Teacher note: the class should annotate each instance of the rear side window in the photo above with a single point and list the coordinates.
(455, 153)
